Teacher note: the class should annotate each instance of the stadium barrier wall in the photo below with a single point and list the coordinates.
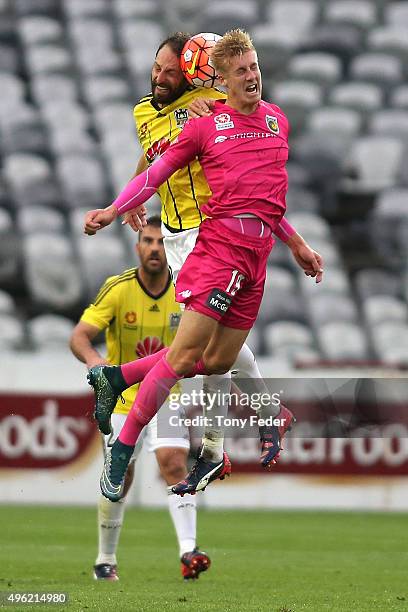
(50, 450)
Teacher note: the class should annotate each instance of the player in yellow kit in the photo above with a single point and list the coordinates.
(139, 314)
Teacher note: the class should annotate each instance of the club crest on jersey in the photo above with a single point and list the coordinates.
(174, 319)
(223, 122)
(181, 116)
(272, 124)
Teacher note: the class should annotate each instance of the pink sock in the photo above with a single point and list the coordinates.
(135, 371)
(153, 391)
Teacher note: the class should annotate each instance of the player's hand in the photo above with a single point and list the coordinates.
(137, 218)
(309, 260)
(99, 218)
(201, 107)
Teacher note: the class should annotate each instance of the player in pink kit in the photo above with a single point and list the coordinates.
(243, 149)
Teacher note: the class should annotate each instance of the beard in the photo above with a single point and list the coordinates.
(171, 94)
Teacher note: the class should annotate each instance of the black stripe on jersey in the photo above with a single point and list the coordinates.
(193, 192)
(125, 276)
(145, 99)
(175, 205)
(170, 127)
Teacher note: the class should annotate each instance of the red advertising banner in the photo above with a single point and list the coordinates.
(44, 431)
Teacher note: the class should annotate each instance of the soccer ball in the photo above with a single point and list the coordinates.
(195, 60)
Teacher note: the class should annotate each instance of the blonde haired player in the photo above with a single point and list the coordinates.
(139, 314)
(180, 247)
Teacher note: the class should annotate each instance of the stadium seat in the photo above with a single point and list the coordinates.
(254, 340)
(9, 58)
(39, 30)
(343, 342)
(288, 339)
(300, 14)
(378, 68)
(91, 33)
(219, 17)
(274, 48)
(373, 163)
(23, 131)
(50, 332)
(11, 332)
(310, 226)
(78, 9)
(280, 280)
(335, 281)
(395, 356)
(329, 307)
(66, 141)
(399, 97)
(9, 252)
(298, 98)
(13, 93)
(373, 281)
(392, 41)
(390, 122)
(48, 59)
(52, 274)
(396, 14)
(381, 308)
(389, 334)
(359, 13)
(35, 7)
(58, 111)
(101, 258)
(101, 89)
(332, 120)
(36, 219)
(343, 41)
(7, 303)
(30, 179)
(46, 87)
(321, 68)
(300, 199)
(82, 180)
(142, 9)
(360, 96)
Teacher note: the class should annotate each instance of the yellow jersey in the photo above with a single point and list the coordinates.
(136, 322)
(186, 190)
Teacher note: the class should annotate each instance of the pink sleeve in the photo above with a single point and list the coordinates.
(143, 186)
(284, 230)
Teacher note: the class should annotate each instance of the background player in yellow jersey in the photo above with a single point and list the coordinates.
(138, 311)
(160, 117)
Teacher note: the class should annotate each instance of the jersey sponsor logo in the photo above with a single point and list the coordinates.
(130, 317)
(148, 346)
(218, 301)
(154, 308)
(174, 319)
(223, 122)
(272, 124)
(181, 116)
(143, 129)
(220, 139)
(157, 149)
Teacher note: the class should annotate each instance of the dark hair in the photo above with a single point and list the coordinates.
(154, 221)
(176, 42)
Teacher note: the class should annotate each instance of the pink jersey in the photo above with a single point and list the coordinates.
(243, 158)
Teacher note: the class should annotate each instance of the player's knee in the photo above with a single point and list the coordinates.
(184, 362)
(173, 468)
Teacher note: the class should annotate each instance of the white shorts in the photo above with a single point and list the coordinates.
(180, 437)
(178, 247)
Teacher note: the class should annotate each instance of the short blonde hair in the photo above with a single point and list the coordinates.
(234, 43)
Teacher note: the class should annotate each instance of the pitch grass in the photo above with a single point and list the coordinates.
(264, 561)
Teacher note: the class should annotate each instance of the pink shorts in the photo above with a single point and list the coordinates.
(224, 275)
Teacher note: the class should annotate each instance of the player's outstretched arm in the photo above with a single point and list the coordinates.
(81, 345)
(309, 260)
(99, 218)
